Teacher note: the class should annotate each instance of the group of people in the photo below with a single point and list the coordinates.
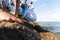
(8, 4)
(25, 9)
(24, 6)
(5, 15)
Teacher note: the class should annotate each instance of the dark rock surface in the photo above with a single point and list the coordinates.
(26, 31)
(14, 31)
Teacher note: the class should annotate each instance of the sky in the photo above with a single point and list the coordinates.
(47, 10)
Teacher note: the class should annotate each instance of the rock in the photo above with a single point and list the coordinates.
(9, 31)
(26, 31)
(49, 36)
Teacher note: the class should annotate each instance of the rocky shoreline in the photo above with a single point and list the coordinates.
(15, 31)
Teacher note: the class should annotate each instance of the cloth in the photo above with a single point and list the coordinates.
(23, 11)
(31, 6)
(30, 15)
(11, 8)
(23, 8)
(6, 2)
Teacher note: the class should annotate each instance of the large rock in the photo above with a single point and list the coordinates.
(49, 36)
(27, 31)
(15, 31)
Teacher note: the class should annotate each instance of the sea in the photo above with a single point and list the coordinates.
(53, 27)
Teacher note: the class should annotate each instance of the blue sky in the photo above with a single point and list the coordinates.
(47, 10)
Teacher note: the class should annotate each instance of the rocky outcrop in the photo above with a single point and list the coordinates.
(49, 36)
(26, 31)
(15, 31)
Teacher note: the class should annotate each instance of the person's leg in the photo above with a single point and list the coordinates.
(8, 17)
(14, 6)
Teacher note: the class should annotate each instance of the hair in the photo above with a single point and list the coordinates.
(23, 6)
(12, 4)
(31, 2)
(25, 0)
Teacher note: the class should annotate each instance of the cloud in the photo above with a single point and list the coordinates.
(34, 0)
(53, 15)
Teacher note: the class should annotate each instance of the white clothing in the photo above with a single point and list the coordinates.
(31, 6)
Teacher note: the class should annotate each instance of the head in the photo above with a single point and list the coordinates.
(12, 4)
(25, 1)
(31, 2)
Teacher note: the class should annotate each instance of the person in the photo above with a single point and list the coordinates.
(7, 16)
(30, 6)
(0, 3)
(24, 7)
(25, 3)
(12, 6)
(20, 9)
(9, 6)
(30, 15)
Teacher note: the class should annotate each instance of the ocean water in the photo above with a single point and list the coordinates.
(53, 27)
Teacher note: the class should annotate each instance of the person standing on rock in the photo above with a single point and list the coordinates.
(24, 6)
(31, 6)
